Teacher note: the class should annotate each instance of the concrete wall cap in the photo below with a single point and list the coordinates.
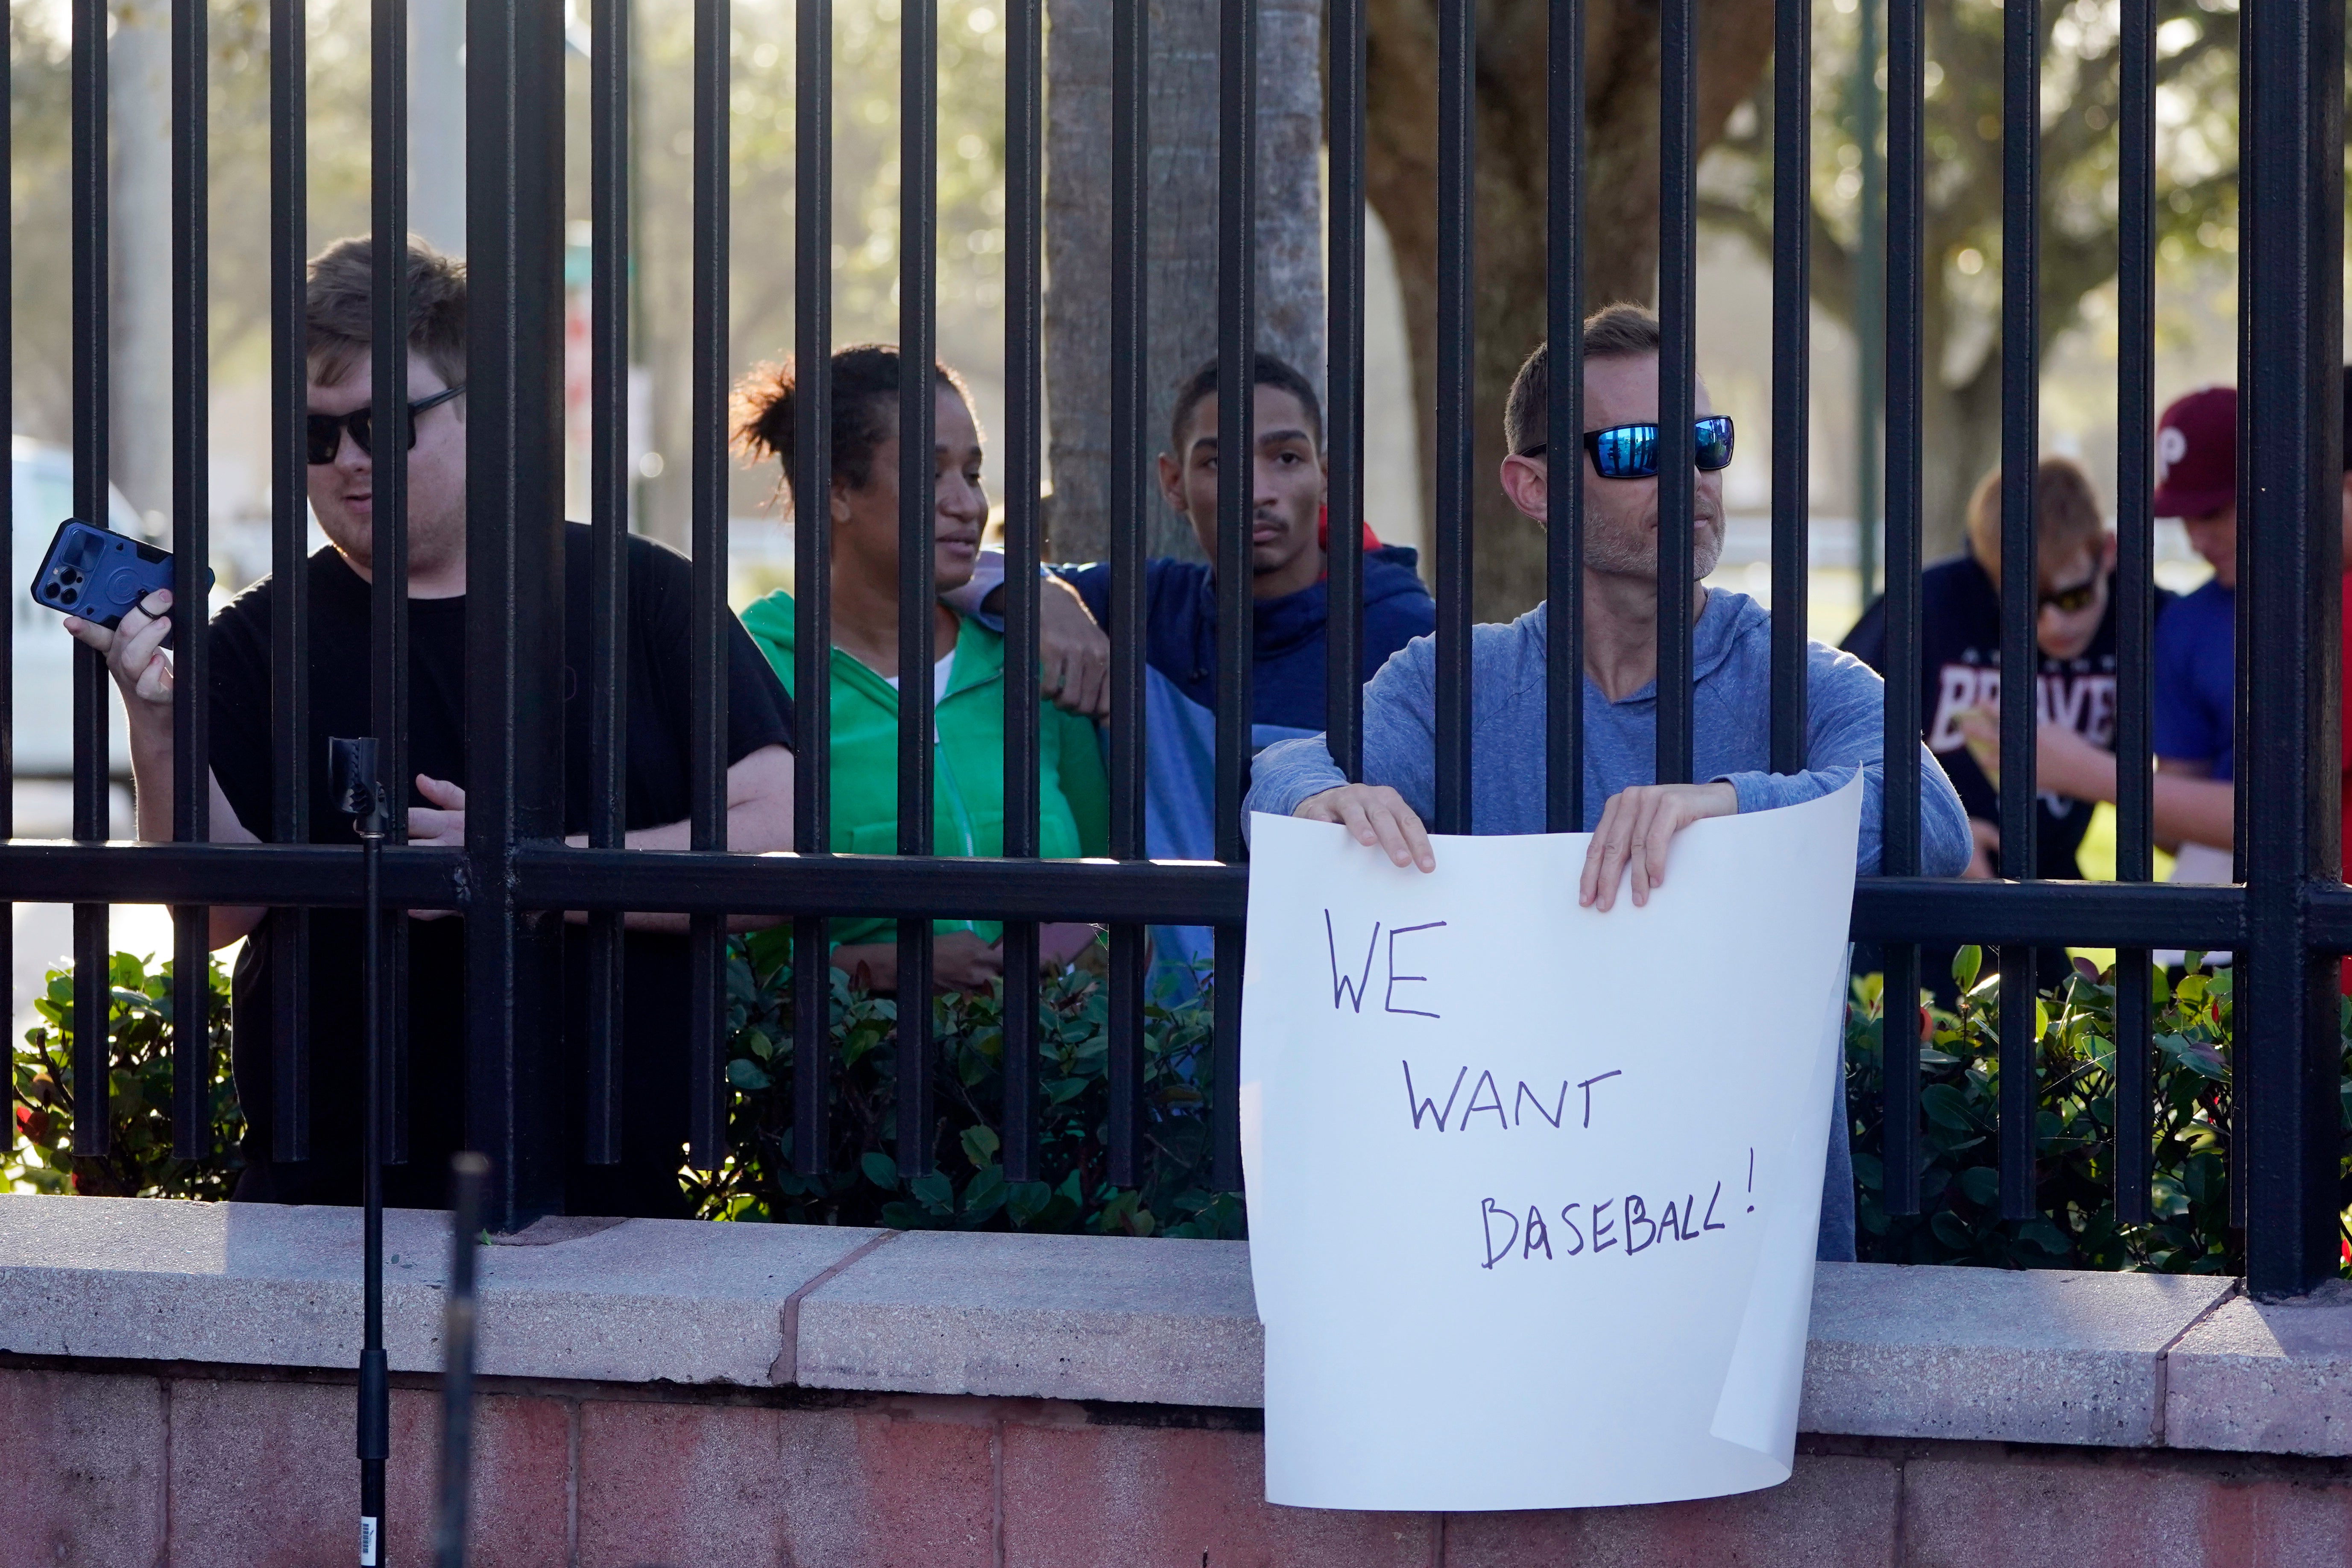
(2047, 1356)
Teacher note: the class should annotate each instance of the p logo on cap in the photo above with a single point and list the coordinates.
(2197, 454)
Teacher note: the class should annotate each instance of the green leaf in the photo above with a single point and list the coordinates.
(1025, 1201)
(934, 1192)
(1951, 1231)
(1947, 1107)
(1982, 1185)
(1967, 964)
(880, 1169)
(980, 1144)
(747, 1074)
(985, 1194)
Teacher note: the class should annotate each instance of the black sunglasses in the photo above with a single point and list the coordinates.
(1630, 452)
(327, 429)
(2073, 600)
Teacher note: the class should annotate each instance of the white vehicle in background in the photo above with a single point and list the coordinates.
(41, 493)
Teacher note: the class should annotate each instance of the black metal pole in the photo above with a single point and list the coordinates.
(469, 1176)
(514, 598)
(1237, 143)
(1024, 123)
(2289, 1049)
(1131, 397)
(706, 1049)
(919, 210)
(92, 790)
(812, 573)
(1564, 429)
(1457, 53)
(359, 788)
(2020, 440)
(608, 490)
(2134, 588)
(191, 1057)
(1677, 376)
(1906, 59)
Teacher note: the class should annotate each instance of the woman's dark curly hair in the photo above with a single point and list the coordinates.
(865, 410)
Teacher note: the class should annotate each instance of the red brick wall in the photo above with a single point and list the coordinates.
(192, 1466)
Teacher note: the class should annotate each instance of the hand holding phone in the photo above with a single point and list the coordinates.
(98, 576)
(134, 656)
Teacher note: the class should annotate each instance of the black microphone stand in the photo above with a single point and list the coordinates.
(352, 764)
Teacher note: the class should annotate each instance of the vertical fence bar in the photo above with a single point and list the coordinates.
(289, 932)
(192, 992)
(918, 79)
(1130, 402)
(812, 565)
(608, 513)
(1906, 373)
(1792, 372)
(92, 1133)
(1677, 376)
(1457, 46)
(2293, 213)
(1563, 436)
(7, 623)
(707, 932)
(2246, 603)
(2134, 588)
(1236, 465)
(1343, 677)
(514, 598)
(1024, 72)
(388, 583)
(2021, 658)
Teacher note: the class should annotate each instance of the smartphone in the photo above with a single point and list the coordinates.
(99, 575)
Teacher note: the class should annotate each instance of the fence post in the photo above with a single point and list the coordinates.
(514, 606)
(2289, 1063)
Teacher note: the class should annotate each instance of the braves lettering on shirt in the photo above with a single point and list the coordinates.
(1961, 669)
(2078, 693)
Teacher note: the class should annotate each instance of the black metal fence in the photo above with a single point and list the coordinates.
(514, 876)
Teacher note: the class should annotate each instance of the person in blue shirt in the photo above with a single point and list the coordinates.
(1292, 613)
(1633, 820)
(2195, 714)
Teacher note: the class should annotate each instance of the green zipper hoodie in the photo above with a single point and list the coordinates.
(967, 767)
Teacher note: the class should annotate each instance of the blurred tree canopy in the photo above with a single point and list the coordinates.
(2195, 209)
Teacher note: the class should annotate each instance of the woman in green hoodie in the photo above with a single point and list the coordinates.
(967, 684)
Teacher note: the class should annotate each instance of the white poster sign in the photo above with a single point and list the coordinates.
(1534, 1190)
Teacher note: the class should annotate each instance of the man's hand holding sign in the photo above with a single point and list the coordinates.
(1636, 832)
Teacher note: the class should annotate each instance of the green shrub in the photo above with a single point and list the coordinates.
(2076, 1226)
(967, 1188)
(1961, 1092)
(140, 1028)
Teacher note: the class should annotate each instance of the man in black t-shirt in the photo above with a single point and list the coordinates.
(653, 1087)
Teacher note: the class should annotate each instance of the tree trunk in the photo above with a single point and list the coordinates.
(1621, 203)
(1182, 239)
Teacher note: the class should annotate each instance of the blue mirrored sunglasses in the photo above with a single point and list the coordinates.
(1630, 452)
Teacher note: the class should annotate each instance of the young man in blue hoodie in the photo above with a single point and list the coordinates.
(1292, 615)
(1632, 820)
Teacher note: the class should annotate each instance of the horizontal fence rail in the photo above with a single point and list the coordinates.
(548, 1106)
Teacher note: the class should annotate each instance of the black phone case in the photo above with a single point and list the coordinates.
(99, 575)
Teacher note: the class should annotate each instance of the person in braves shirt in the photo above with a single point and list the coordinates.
(2074, 629)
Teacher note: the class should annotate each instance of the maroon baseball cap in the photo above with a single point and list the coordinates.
(2197, 454)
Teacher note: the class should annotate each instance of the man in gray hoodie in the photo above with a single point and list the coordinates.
(1632, 820)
